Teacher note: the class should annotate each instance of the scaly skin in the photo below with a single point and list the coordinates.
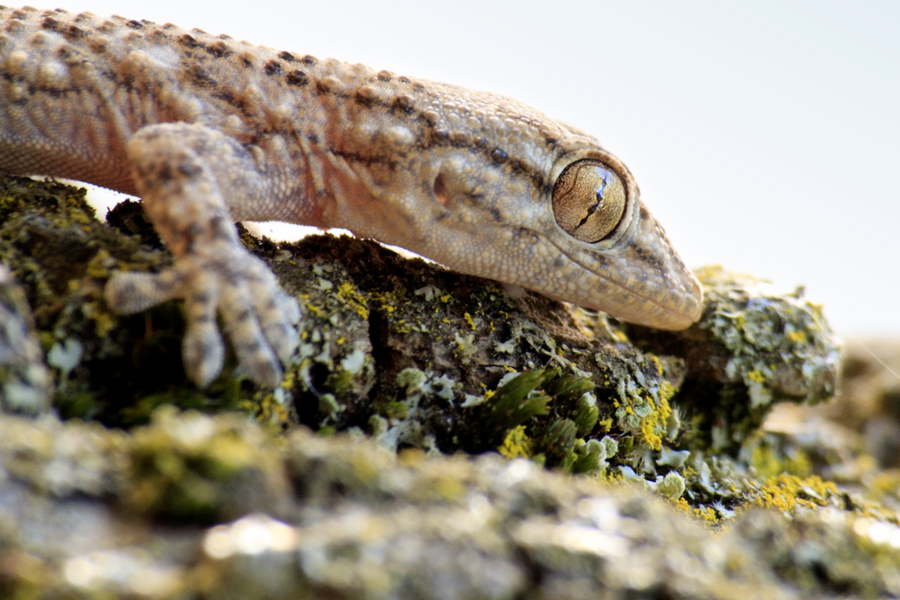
(208, 130)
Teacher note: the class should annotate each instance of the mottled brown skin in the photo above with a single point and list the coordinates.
(208, 130)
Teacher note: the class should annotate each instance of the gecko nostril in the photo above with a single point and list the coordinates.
(440, 190)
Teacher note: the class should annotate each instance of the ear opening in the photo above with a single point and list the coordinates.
(440, 190)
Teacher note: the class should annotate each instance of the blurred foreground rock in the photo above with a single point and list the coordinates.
(87, 512)
(589, 457)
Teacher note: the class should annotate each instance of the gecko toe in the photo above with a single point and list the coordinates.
(278, 319)
(129, 293)
(203, 352)
(251, 344)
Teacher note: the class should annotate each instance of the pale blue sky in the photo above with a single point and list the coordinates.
(765, 135)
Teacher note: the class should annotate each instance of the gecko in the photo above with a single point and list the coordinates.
(208, 130)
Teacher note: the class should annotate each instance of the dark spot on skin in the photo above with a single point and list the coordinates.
(50, 24)
(215, 223)
(364, 98)
(244, 315)
(496, 214)
(404, 103)
(273, 67)
(247, 62)
(64, 52)
(385, 75)
(193, 230)
(97, 45)
(526, 234)
(135, 24)
(189, 169)
(403, 79)
(309, 60)
(73, 32)
(201, 76)
(163, 174)
(313, 138)
(189, 242)
(297, 78)
(188, 41)
(220, 49)
(498, 155)
(481, 142)
(287, 56)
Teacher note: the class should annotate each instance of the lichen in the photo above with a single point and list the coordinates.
(429, 362)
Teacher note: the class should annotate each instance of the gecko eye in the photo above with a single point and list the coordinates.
(589, 200)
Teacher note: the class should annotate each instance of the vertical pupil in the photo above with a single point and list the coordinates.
(601, 190)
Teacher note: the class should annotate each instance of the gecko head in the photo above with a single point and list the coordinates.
(565, 222)
(579, 233)
(617, 256)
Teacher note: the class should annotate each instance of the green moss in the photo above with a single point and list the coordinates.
(557, 442)
(511, 405)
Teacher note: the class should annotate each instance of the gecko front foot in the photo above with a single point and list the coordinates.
(182, 171)
(258, 317)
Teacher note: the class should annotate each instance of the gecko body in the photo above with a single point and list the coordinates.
(208, 130)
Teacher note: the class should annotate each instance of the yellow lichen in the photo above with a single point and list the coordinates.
(785, 492)
(349, 294)
(315, 310)
(516, 444)
(469, 320)
(798, 337)
(706, 514)
(756, 376)
(653, 426)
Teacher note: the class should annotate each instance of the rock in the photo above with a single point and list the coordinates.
(468, 444)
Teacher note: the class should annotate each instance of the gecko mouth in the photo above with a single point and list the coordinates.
(667, 315)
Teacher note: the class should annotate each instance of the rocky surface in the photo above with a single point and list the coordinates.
(468, 444)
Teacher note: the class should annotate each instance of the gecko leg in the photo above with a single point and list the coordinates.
(187, 175)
